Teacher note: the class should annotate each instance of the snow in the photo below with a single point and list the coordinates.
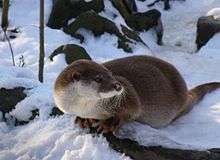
(57, 137)
(214, 12)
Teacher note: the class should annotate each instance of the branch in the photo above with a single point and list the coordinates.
(138, 152)
(41, 37)
(10, 46)
(4, 26)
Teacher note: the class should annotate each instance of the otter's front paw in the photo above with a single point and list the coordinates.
(109, 125)
(85, 122)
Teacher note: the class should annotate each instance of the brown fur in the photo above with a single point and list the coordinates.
(155, 92)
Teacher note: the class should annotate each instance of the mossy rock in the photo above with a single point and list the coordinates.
(99, 25)
(131, 34)
(207, 27)
(10, 97)
(56, 112)
(72, 53)
(140, 21)
(64, 10)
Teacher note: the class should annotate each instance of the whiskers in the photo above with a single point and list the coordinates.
(113, 104)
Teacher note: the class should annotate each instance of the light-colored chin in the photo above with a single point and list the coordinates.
(88, 92)
(82, 101)
(79, 100)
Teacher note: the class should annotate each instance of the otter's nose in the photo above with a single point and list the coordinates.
(117, 87)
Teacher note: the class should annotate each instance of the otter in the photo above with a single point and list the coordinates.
(140, 88)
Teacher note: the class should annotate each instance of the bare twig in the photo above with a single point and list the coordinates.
(4, 26)
(42, 53)
(10, 46)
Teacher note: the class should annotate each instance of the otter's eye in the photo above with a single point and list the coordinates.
(98, 79)
(76, 76)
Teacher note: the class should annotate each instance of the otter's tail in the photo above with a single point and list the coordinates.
(196, 94)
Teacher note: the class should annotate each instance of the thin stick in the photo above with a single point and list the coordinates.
(10, 46)
(4, 26)
(41, 36)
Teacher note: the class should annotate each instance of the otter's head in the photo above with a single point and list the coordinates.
(88, 79)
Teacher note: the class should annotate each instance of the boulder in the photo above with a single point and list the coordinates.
(56, 112)
(141, 21)
(64, 10)
(9, 99)
(99, 25)
(139, 152)
(72, 53)
(207, 27)
(166, 3)
(131, 5)
(133, 35)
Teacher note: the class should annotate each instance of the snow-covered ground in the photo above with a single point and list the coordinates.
(58, 138)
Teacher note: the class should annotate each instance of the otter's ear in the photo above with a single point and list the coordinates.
(76, 76)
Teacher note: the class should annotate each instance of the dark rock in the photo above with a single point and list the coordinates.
(98, 25)
(13, 33)
(56, 112)
(166, 3)
(72, 53)
(121, 6)
(64, 10)
(34, 113)
(132, 35)
(141, 21)
(131, 5)
(138, 152)
(8, 100)
(10, 97)
(207, 27)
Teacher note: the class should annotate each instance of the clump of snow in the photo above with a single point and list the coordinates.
(12, 77)
(88, 0)
(51, 139)
(214, 12)
(58, 138)
(38, 98)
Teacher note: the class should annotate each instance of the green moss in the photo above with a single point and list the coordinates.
(72, 53)
(98, 25)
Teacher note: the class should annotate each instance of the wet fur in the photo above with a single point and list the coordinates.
(160, 87)
(153, 92)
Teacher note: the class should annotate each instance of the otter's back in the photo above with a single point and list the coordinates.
(159, 85)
